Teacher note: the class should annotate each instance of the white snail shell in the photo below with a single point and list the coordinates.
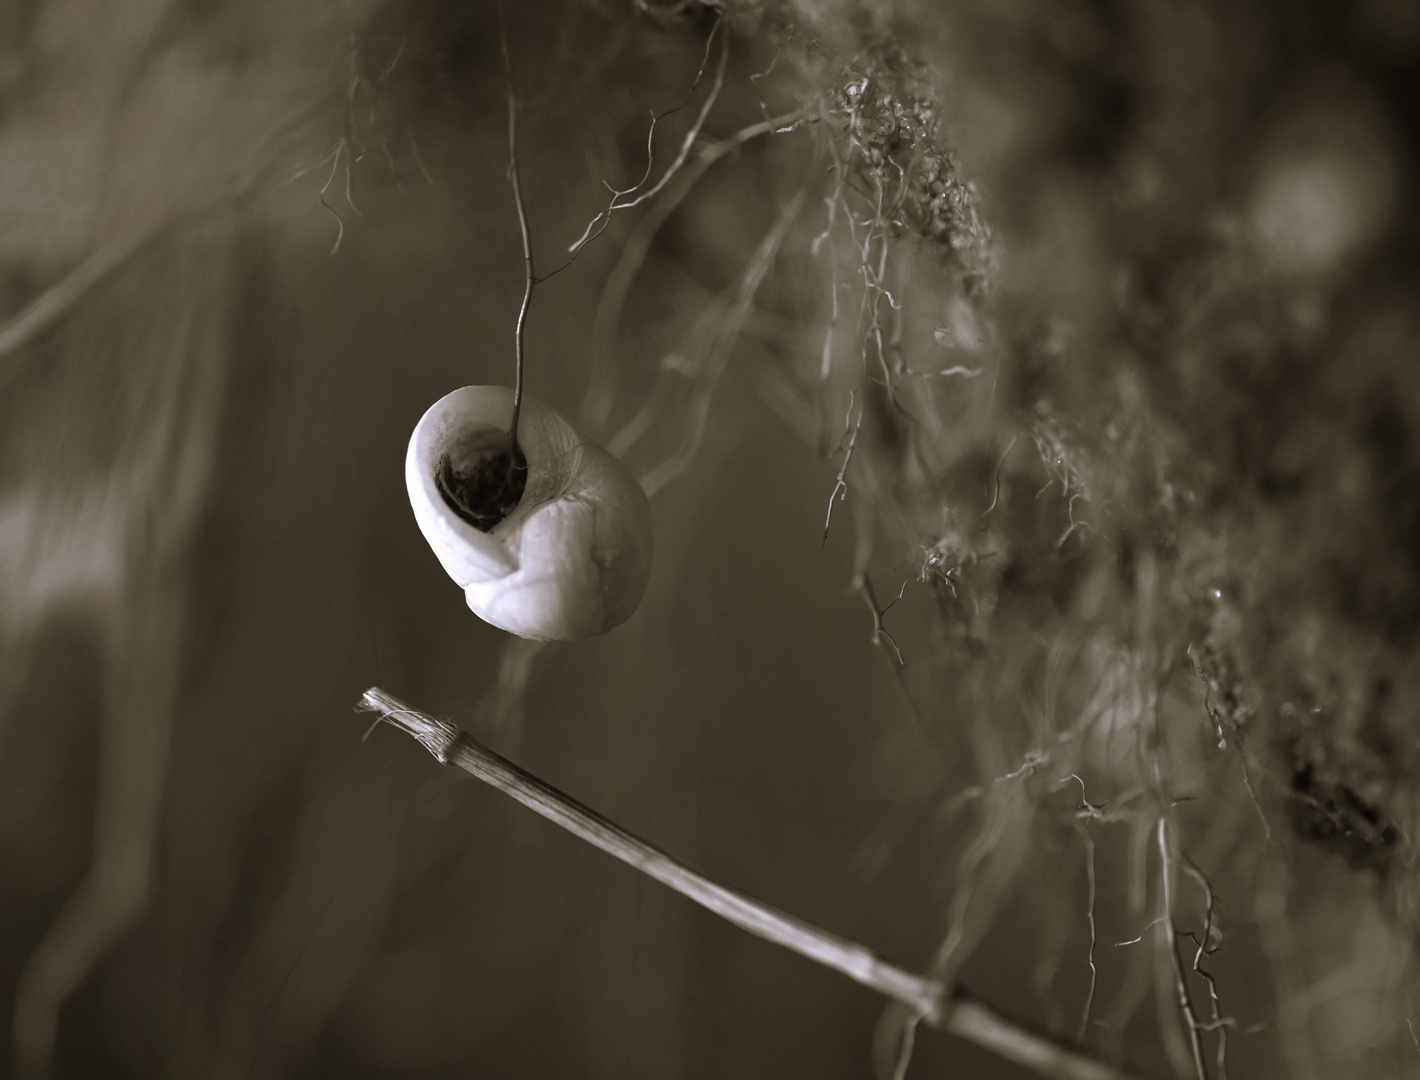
(572, 558)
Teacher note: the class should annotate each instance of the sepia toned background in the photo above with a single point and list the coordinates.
(1128, 377)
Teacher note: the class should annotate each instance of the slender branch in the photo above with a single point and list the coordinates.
(996, 495)
(725, 321)
(1216, 715)
(1086, 813)
(596, 405)
(953, 1010)
(339, 221)
(880, 630)
(599, 223)
(1089, 842)
(1218, 1022)
(56, 301)
(1185, 1000)
(530, 279)
(840, 484)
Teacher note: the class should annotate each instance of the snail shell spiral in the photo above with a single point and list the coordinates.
(572, 557)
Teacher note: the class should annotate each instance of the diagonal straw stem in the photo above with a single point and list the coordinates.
(953, 1010)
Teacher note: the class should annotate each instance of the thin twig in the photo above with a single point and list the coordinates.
(727, 322)
(1087, 812)
(880, 630)
(1215, 714)
(996, 495)
(1218, 1021)
(904, 1049)
(597, 403)
(958, 369)
(339, 221)
(599, 223)
(840, 483)
(1089, 842)
(953, 1010)
(530, 279)
(52, 305)
(754, 79)
(1185, 1001)
(56, 301)
(1136, 940)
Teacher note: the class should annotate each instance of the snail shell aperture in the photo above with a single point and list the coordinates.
(571, 558)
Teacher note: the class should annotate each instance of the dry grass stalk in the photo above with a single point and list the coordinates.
(953, 1010)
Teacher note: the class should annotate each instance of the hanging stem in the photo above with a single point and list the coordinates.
(530, 278)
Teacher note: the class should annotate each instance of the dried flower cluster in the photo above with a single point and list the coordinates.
(889, 114)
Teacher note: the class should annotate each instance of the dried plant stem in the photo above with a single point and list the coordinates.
(723, 322)
(952, 1010)
(52, 304)
(596, 406)
(880, 630)
(1218, 1022)
(1089, 842)
(599, 223)
(1185, 1000)
(530, 279)
(840, 483)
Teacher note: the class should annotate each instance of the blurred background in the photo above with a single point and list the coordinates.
(1090, 327)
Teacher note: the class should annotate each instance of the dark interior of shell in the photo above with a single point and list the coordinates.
(482, 477)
